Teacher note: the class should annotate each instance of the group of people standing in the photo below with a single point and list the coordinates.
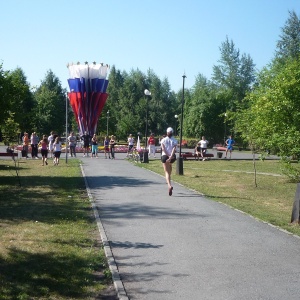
(151, 142)
(33, 141)
(109, 145)
(50, 144)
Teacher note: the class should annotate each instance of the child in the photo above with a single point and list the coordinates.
(56, 150)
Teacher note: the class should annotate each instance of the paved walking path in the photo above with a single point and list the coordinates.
(186, 246)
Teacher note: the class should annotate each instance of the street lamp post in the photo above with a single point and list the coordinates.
(179, 166)
(107, 117)
(176, 117)
(225, 115)
(147, 95)
(67, 128)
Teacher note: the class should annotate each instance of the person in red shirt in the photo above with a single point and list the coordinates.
(151, 145)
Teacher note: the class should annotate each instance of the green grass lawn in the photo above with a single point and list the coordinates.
(232, 182)
(50, 247)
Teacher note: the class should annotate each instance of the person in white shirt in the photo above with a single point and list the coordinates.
(168, 149)
(72, 144)
(50, 143)
(130, 141)
(203, 147)
(56, 150)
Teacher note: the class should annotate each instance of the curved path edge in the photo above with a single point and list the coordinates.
(118, 284)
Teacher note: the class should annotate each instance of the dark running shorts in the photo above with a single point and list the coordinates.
(165, 157)
(44, 152)
(57, 154)
(203, 150)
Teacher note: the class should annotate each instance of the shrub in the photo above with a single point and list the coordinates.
(192, 143)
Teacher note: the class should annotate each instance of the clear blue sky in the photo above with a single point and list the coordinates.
(168, 36)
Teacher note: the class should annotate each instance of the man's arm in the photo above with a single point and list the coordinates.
(173, 151)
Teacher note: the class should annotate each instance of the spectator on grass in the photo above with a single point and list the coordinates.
(34, 141)
(25, 140)
(51, 139)
(44, 149)
(56, 150)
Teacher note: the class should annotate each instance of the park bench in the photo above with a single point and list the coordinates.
(191, 155)
(8, 154)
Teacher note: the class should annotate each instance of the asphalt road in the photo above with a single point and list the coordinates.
(186, 246)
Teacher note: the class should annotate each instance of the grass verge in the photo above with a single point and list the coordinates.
(49, 240)
(232, 182)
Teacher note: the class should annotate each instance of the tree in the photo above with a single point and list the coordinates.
(21, 99)
(10, 130)
(51, 106)
(132, 105)
(272, 119)
(116, 82)
(163, 104)
(127, 103)
(235, 73)
(5, 87)
(204, 111)
(288, 46)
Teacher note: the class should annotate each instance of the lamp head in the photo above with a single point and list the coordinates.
(147, 92)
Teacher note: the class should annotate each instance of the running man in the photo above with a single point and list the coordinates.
(168, 148)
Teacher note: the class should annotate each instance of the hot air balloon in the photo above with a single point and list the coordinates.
(87, 94)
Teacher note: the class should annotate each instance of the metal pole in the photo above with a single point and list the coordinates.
(181, 117)
(225, 115)
(147, 94)
(67, 128)
(146, 131)
(176, 119)
(179, 166)
(107, 116)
